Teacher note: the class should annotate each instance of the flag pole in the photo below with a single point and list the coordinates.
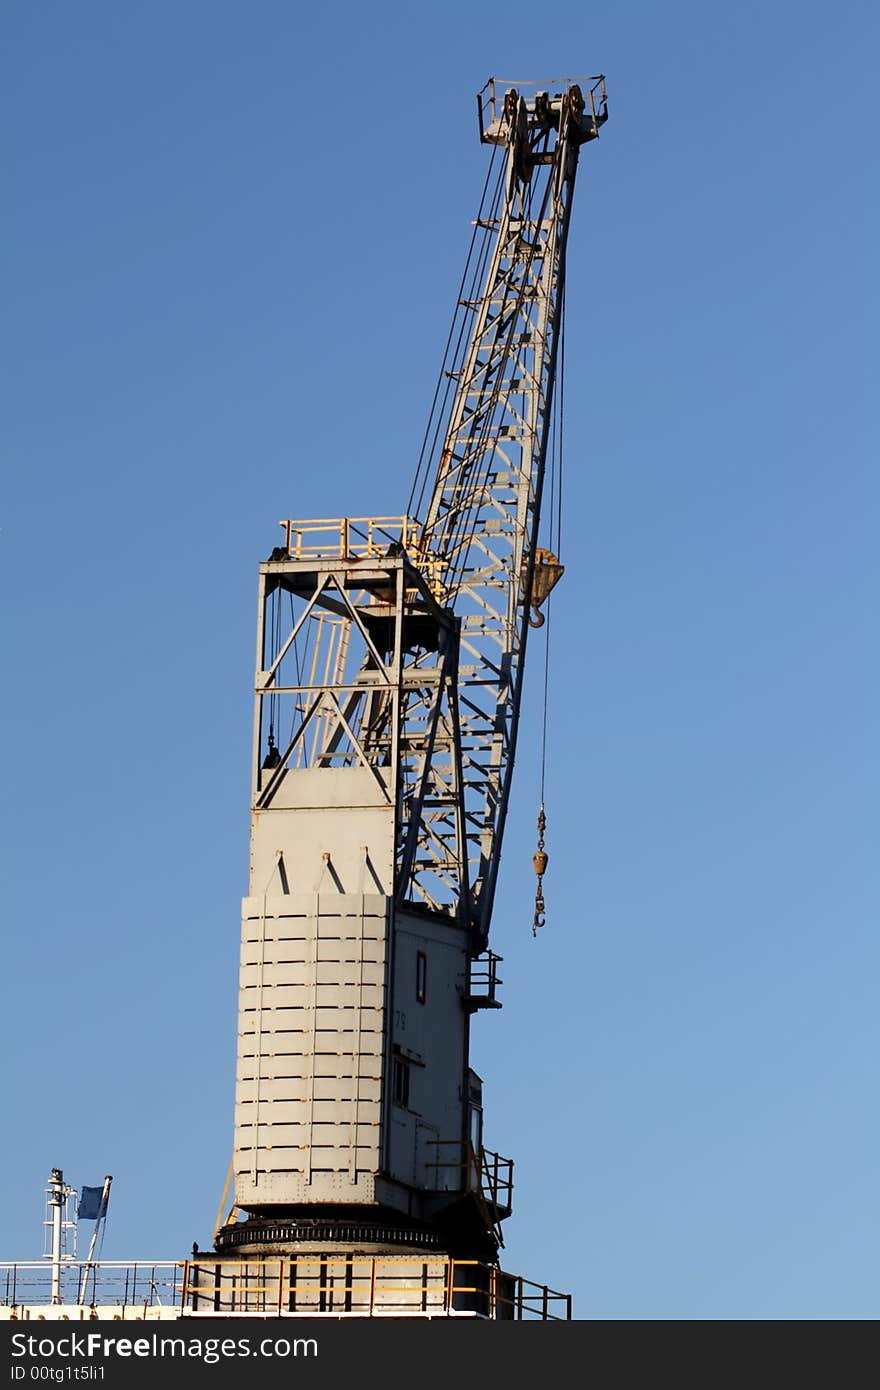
(102, 1216)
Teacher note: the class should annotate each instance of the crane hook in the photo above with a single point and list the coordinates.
(545, 576)
(540, 861)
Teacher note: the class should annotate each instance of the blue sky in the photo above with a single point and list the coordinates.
(231, 239)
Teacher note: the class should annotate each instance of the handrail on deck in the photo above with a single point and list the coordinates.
(348, 536)
(404, 1285)
(367, 1285)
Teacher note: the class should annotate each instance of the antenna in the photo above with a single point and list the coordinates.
(59, 1227)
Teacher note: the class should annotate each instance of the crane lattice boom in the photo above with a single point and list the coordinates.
(482, 518)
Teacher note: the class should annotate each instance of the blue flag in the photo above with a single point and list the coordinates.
(91, 1204)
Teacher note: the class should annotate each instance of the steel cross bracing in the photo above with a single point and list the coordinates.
(357, 667)
(482, 521)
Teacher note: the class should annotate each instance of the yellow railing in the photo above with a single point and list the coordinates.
(356, 537)
(348, 536)
(366, 1286)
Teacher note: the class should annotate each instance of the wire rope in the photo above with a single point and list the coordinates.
(420, 480)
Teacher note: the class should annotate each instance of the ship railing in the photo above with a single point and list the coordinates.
(121, 1283)
(350, 1285)
(510, 1297)
(309, 1285)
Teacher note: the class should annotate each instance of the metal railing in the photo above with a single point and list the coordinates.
(126, 1284)
(513, 1297)
(359, 537)
(484, 1173)
(483, 982)
(366, 1286)
(316, 1283)
(490, 100)
(309, 1285)
(347, 536)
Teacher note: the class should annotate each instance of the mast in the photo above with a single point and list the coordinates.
(59, 1229)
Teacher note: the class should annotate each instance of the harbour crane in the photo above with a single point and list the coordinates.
(389, 676)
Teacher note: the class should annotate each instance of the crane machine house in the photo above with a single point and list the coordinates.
(389, 669)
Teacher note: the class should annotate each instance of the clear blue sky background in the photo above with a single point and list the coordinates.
(231, 239)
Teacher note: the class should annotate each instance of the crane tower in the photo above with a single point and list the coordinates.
(389, 669)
